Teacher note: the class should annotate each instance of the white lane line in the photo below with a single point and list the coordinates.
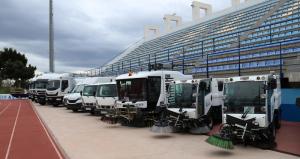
(48, 135)
(2, 111)
(12, 133)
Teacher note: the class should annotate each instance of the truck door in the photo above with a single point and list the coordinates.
(204, 99)
(64, 85)
(154, 87)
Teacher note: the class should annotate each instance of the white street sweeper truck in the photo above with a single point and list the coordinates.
(251, 112)
(193, 106)
(139, 94)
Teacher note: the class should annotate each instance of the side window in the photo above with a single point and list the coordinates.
(171, 92)
(220, 86)
(64, 85)
(154, 85)
(298, 101)
(272, 84)
(205, 87)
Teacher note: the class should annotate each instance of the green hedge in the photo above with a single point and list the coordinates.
(4, 90)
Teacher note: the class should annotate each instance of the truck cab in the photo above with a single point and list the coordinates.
(57, 87)
(251, 112)
(40, 90)
(31, 89)
(88, 98)
(254, 97)
(73, 99)
(140, 93)
(194, 105)
(106, 97)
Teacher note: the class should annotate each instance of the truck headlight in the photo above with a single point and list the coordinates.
(194, 105)
(263, 109)
(139, 104)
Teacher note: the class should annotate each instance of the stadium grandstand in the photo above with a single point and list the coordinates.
(253, 37)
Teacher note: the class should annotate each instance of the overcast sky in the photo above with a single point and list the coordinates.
(88, 33)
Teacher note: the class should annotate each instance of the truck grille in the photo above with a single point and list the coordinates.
(72, 101)
(41, 92)
(52, 94)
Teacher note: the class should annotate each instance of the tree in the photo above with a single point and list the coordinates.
(13, 65)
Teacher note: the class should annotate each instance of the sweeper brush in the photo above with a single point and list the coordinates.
(162, 124)
(159, 129)
(109, 119)
(218, 141)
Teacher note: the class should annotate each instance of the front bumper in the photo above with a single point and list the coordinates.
(88, 107)
(51, 99)
(76, 106)
(104, 109)
(41, 98)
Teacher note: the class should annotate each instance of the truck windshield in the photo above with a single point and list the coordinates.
(74, 89)
(89, 90)
(31, 86)
(53, 85)
(132, 89)
(41, 84)
(78, 89)
(108, 90)
(181, 95)
(244, 96)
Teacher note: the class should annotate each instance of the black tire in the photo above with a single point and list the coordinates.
(271, 136)
(123, 122)
(210, 122)
(75, 110)
(92, 112)
(55, 104)
(139, 120)
(42, 103)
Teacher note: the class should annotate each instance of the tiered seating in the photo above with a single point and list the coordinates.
(262, 30)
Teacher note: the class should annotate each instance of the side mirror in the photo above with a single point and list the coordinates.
(263, 96)
(298, 101)
(202, 85)
(94, 94)
(273, 84)
(194, 94)
(81, 93)
(223, 97)
(194, 87)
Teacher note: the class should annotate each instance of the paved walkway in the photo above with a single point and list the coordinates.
(85, 137)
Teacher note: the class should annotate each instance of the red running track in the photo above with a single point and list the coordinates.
(288, 139)
(23, 134)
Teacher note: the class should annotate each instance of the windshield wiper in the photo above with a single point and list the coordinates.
(246, 113)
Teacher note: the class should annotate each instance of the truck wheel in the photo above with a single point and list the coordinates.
(55, 104)
(210, 123)
(75, 110)
(92, 112)
(271, 137)
(42, 103)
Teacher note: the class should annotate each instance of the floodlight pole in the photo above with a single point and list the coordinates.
(51, 38)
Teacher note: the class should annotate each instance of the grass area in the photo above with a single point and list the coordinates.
(8, 90)
(4, 90)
